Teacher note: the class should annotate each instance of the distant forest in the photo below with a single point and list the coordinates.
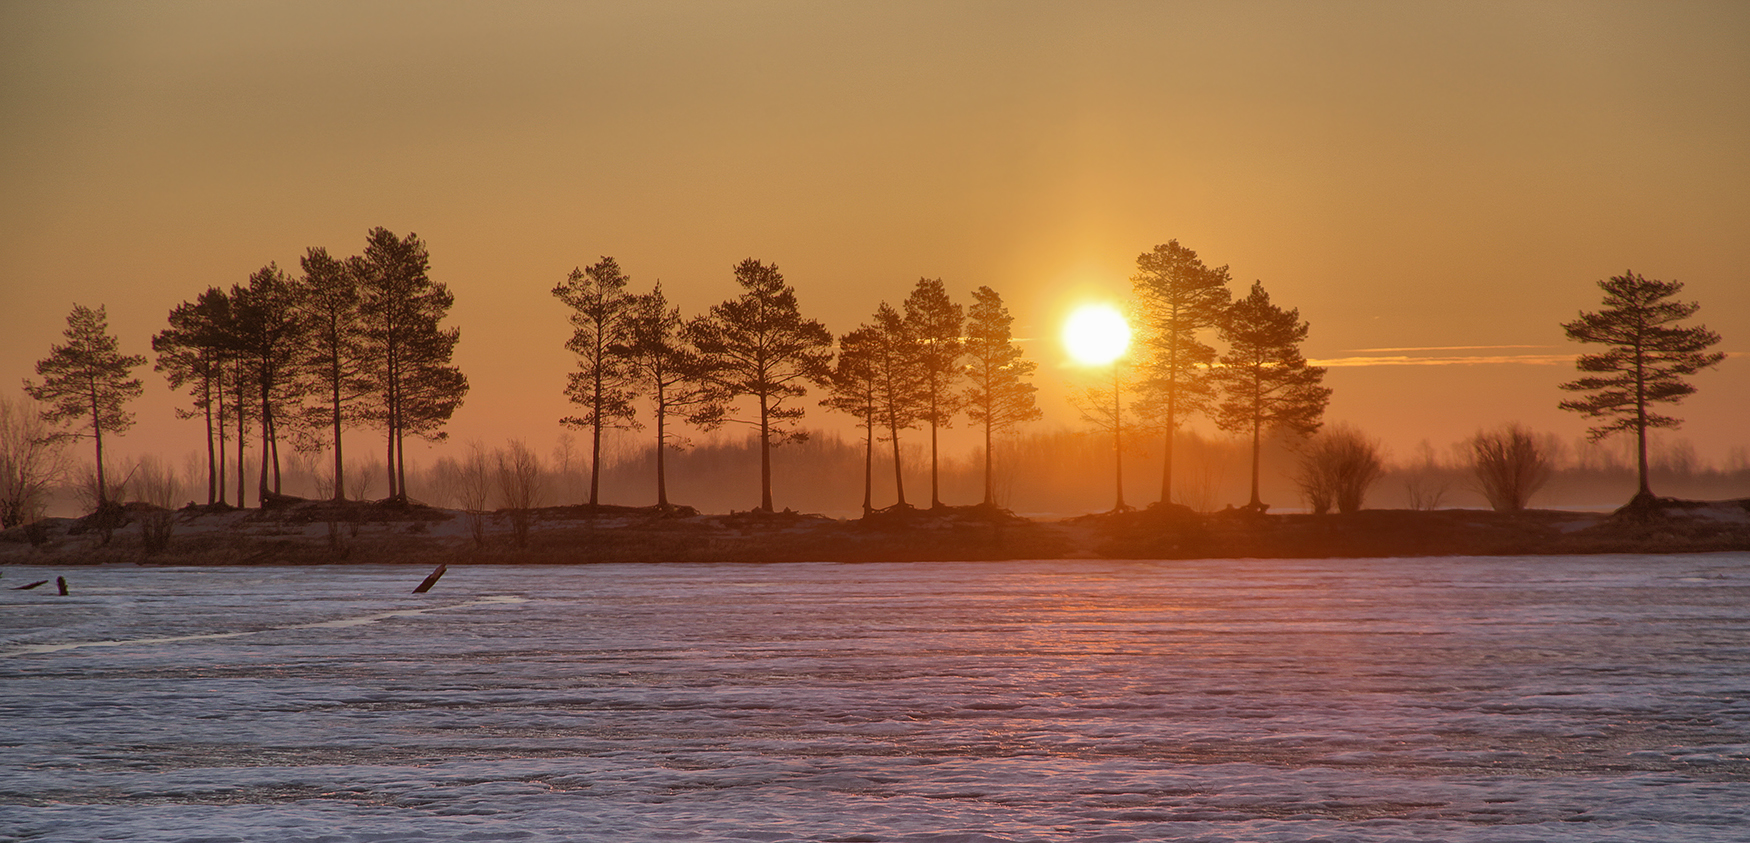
(276, 370)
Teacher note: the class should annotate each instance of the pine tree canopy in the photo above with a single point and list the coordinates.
(1647, 358)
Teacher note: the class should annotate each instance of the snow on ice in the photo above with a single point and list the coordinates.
(1469, 699)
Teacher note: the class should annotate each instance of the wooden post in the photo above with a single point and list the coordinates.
(431, 580)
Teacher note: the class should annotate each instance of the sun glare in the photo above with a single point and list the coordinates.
(1096, 334)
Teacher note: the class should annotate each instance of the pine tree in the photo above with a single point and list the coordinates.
(269, 335)
(334, 360)
(1179, 298)
(758, 345)
(1265, 381)
(899, 383)
(672, 372)
(855, 390)
(414, 388)
(1645, 364)
(602, 384)
(88, 379)
(1000, 395)
(935, 323)
(1103, 407)
(192, 353)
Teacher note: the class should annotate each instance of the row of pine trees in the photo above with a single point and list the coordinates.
(360, 341)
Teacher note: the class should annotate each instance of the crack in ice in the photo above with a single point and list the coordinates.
(342, 623)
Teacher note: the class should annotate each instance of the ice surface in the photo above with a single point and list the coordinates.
(1469, 699)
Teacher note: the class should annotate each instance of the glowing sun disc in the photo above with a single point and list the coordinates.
(1096, 334)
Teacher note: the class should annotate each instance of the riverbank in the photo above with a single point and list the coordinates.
(311, 532)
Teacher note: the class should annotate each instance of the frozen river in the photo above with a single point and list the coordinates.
(1463, 699)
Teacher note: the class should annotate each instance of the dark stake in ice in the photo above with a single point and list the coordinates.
(61, 583)
(429, 581)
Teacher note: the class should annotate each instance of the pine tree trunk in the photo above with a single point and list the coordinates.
(242, 434)
(1256, 453)
(990, 485)
(339, 463)
(869, 460)
(220, 465)
(661, 446)
(765, 458)
(898, 476)
(1172, 422)
(935, 486)
(207, 404)
(1167, 446)
(595, 460)
(97, 437)
(266, 437)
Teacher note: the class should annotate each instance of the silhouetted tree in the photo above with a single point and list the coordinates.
(758, 345)
(1103, 407)
(268, 332)
(1178, 299)
(935, 323)
(855, 386)
(602, 385)
(192, 353)
(1265, 381)
(1509, 465)
(900, 386)
(1645, 364)
(334, 361)
(415, 389)
(1000, 395)
(88, 379)
(655, 351)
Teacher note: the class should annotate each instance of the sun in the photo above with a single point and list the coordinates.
(1096, 334)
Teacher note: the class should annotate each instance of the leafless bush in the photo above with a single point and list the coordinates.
(361, 478)
(1426, 481)
(30, 461)
(1206, 466)
(520, 486)
(1510, 464)
(1336, 467)
(470, 480)
(156, 483)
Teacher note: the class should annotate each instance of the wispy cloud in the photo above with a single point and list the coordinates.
(1443, 348)
(1378, 357)
(1450, 360)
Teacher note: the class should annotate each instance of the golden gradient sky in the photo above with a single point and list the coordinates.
(1450, 176)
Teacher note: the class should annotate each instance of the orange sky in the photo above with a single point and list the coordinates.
(1454, 177)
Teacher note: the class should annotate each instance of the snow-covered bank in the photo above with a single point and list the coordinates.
(308, 532)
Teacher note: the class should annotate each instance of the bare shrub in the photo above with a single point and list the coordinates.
(520, 486)
(1426, 481)
(1207, 464)
(471, 482)
(1336, 467)
(1510, 464)
(156, 483)
(361, 478)
(30, 461)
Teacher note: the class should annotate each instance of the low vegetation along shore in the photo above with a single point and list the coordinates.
(299, 532)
